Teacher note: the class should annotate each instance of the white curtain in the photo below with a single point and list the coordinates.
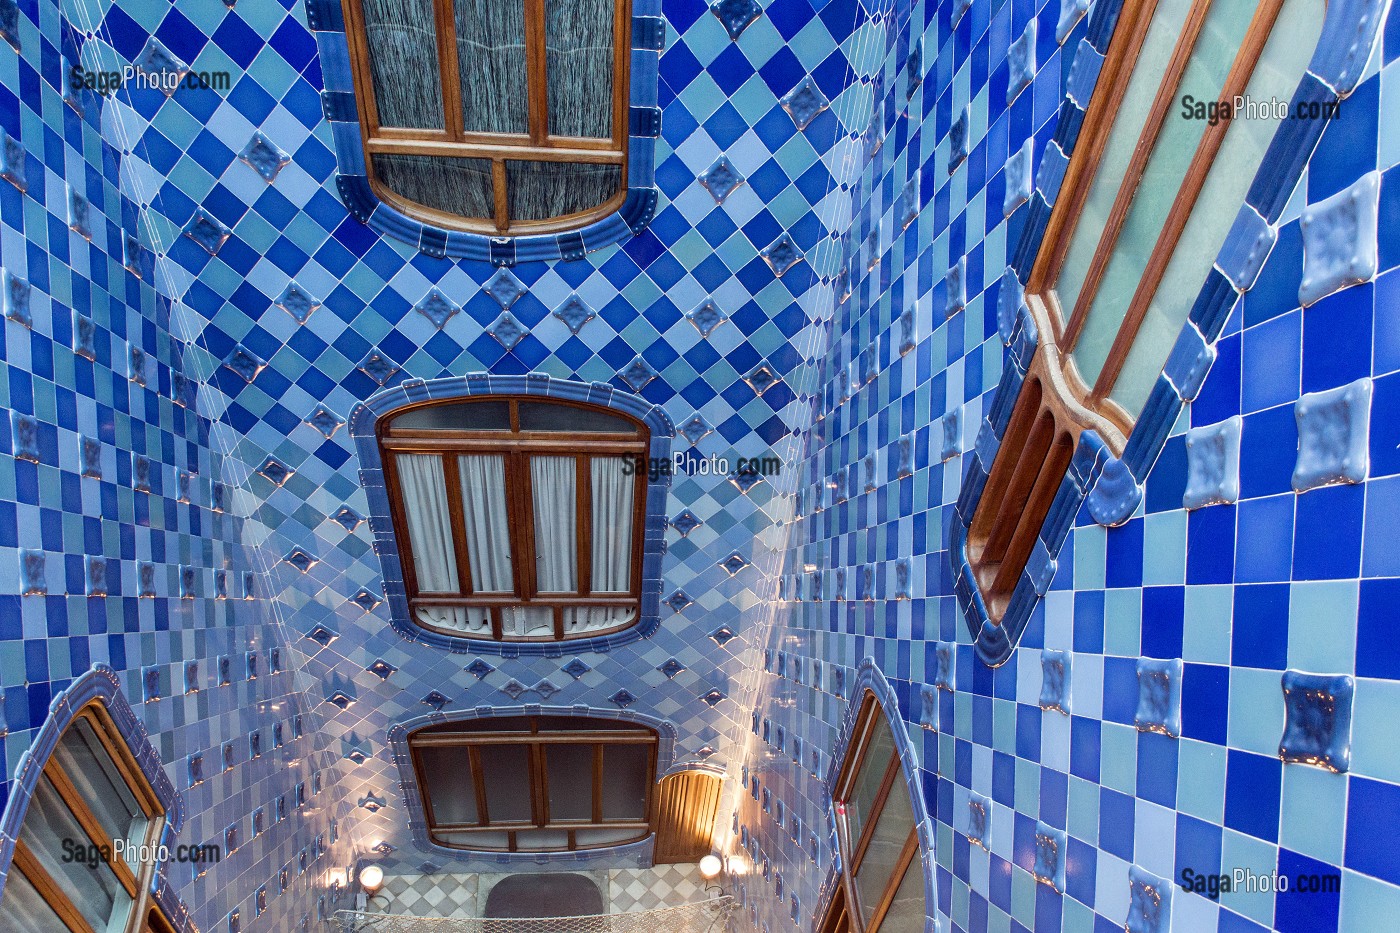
(554, 480)
(424, 485)
(488, 528)
(613, 496)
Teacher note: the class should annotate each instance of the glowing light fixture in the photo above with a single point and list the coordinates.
(371, 878)
(710, 866)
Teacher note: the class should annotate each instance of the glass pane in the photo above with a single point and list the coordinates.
(461, 187)
(579, 48)
(1150, 66)
(463, 619)
(507, 779)
(614, 492)
(570, 770)
(625, 781)
(584, 724)
(449, 783)
(487, 524)
(474, 840)
(88, 765)
(527, 622)
(456, 416)
(545, 190)
(554, 481)
(24, 908)
(403, 62)
(907, 911)
(882, 855)
(867, 782)
(542, 840)
(597, 618)
(541, 416)
(605, 837)
(1276, 76)
(491, 65)
(422, 481)
(1172, 152)
(95, 891)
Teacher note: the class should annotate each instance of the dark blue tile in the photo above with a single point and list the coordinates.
(1327, 535)
(1252, 792)
(1259, 636)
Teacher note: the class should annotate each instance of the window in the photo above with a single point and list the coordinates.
(517, 519)
(535, 783)
(1149, 195)
(498, 116)
(882, 882)
(69, 873)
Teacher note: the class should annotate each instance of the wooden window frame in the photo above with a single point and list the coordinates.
(1056, 405)
(516, 446)
(453, 141)
(843, 912)
(144, 914)
(477, 732)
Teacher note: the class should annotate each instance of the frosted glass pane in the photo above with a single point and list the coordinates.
(1285, 58)
(474, 840)
(87, 764)
(604, 837)
(24, 908)
(542, 840)
(542, 416)
(579, 48)
(570, 772)
(457, 416)
(625, 782)
(447, 772)
(882, 855)
(453, 186)
(95, 891)
(527, 621)
(1151, 64)
(907, 911)
(424, 486)
(1176, 145)
(491, 65)
(403, 62)
(867, 783)
(507, 783)
(545, 190)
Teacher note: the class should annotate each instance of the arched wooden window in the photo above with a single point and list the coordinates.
(882, 882)
(77, 863)
(1150, 193)
(497, 116)
(517, 519)
(535, 783)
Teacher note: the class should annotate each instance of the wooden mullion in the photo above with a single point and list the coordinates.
(537, 87)
(622, 60)
(515, 416)
(452, 476)
(558, 620)
(877, 807)
(522, 522)
(1137, 166)
(53, 895)
(1003, 466)
(450, 75)
(906, 858)
(1111, 88)
(498, 190)
(91, 827)
(483, 815)
(1235, 83)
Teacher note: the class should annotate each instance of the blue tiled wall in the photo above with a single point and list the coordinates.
(1220, 600)
(251, 400)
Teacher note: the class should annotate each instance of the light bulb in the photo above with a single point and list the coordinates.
(371, 878)
(710, 866)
